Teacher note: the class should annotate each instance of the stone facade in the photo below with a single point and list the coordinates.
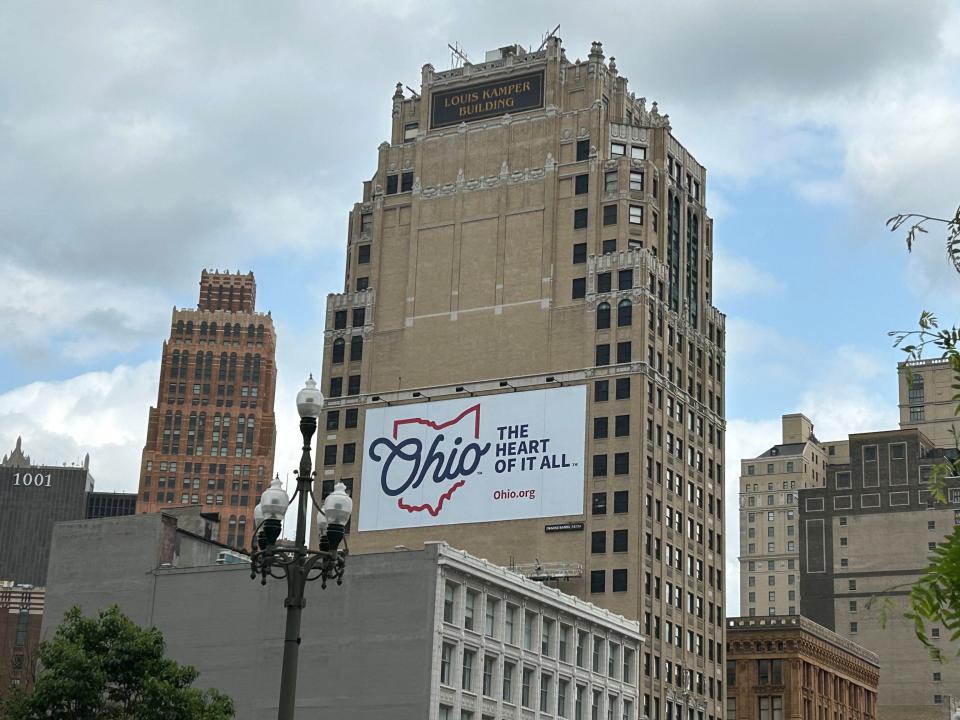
(789, 668)
(568, 243)
(432, 634)
(769, 483)
(865, 538)
(211, 437)
(926, 400)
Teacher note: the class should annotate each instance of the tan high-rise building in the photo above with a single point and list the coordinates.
(926, 400)
(534, 246)
(211, 437)
(769, 554)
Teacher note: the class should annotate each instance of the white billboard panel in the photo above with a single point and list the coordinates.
(480, 459)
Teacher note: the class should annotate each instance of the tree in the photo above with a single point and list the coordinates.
(110, 669)
(935, 597)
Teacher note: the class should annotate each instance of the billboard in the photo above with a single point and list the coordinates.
(481, 459)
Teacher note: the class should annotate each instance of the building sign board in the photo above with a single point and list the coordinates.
(480, 459)
(512, 94)
(564, 527)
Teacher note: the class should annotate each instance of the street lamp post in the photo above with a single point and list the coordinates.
(297, 563)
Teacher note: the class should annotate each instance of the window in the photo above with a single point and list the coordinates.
(621, 499)
(508, 670)
(469, 656)
(489, 663)
(603, 316)
(601, 391)
(363, 254)
(604, 283)
(617, 149)
(598, 542)
(410, 131)
(406, 181)
(916, 413)
(602, 354)
(579, 218)
(609, 214)
(621, 427)
(579, 288)
(391, 184)
(469, 609)
(843, 481)
(446, 661)
(545, 692)
(624, 313)
(525, 687)
(490, 616)
(619, 545)
(638, 152)
(636, 181)
(609, 246)
(620, 580)
(622, 389)
(362, 283)
(509, 624)
(610, 181)
(583, 150)
(579, 253)
(853, 627)
(636, 214)
(529, 622)
(597, 581)
(449, 595)
(581, 184)
(624, 352)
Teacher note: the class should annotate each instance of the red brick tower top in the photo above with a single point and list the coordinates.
(211, 437)
(227, 291)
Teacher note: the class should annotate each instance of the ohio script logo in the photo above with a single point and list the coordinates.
(451, 456)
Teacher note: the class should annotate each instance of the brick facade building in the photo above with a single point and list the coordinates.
(211, 437)
(790, 668)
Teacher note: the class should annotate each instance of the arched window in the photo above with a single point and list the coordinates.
(232, 374)
(226, 331)
(198, 368)
(175, 363)
(208, 366)
(259, 333)
(624, 313)
(190, 327)
(251, 331)
(338, 348)
(232, 531)
(222, 374)
(203, 329)
(213, 330)
(236, 331)
(603, 316)
(241, 530)
(247, 366)
(179, 327)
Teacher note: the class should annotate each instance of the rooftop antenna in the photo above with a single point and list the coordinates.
(546, 37)
(458, 56)
(416, 95)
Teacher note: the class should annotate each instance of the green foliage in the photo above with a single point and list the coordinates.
(110, 669)
(935, 597)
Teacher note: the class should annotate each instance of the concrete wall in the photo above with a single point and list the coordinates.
(368, 640)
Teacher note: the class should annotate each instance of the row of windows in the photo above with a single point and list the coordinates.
(340, 318)
(610, 216)
(230, 332)
(495, 618)
(335, 388)
(203, 366)
(339, 349)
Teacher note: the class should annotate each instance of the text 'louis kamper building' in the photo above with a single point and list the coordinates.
(525, 361)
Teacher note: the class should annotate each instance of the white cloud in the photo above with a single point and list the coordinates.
(736, 276)
(101, 413)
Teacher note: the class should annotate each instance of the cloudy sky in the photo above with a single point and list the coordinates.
(142, 142)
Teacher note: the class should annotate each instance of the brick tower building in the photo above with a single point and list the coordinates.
(526, 363)
(211, 437)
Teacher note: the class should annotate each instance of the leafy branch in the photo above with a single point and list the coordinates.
(935, 597)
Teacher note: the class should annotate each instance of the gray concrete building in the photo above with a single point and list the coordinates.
(426, 634)
(865, 537)
(33, 498)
